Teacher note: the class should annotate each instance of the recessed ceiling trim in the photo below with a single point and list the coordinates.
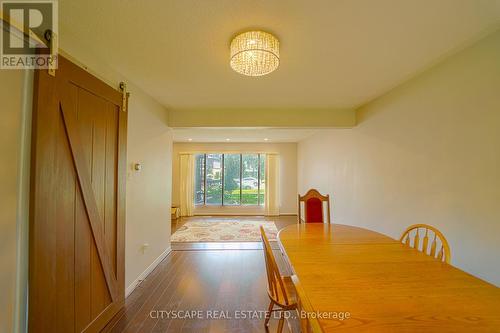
(259, 117)
(241, 135)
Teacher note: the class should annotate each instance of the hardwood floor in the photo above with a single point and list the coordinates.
(231, 281)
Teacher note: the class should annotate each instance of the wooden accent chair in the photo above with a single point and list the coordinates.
(280, 289)
(313, 207)
(413, 233)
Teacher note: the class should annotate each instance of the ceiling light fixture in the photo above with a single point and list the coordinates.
(266, 139)
(228, 139)
(190, 139)
(255, 53)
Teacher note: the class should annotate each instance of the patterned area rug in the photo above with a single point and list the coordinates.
(227, 231)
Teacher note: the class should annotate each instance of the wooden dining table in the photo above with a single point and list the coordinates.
(382, 284)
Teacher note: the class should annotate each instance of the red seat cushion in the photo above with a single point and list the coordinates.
(314, 211)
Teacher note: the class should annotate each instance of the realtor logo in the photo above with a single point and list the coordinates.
(29, 34)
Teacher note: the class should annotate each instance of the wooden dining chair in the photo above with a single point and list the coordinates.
(280, 288)
(411, 237)
(314, 211)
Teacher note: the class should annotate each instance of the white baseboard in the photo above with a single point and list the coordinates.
(147, 271)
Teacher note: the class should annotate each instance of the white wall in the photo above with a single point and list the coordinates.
(288, 174)
(427, 152)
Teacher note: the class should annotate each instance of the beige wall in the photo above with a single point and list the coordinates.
(148, 191)
(11, 89)
(288, 173)
(427, 152)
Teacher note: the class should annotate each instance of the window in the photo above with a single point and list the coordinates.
(213, 179)
(262, 178)
(230, 179)
(250, 179)
(199, 180)
(232, 173)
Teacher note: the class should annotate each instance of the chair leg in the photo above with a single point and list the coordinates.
(281, 322)
(268, 314)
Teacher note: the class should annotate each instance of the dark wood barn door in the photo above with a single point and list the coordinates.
(76, 272)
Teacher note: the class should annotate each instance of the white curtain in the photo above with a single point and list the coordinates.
(272, 184)
(186, 187)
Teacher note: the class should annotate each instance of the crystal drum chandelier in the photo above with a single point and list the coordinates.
(255, 53)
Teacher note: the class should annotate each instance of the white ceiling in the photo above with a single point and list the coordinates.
(334, 53)
(272, 135)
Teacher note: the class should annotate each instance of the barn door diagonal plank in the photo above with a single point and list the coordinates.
(89, 200)
(77, 202)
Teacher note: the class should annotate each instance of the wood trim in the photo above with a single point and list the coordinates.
(121, 195)
(85, 80)
(41, 171)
